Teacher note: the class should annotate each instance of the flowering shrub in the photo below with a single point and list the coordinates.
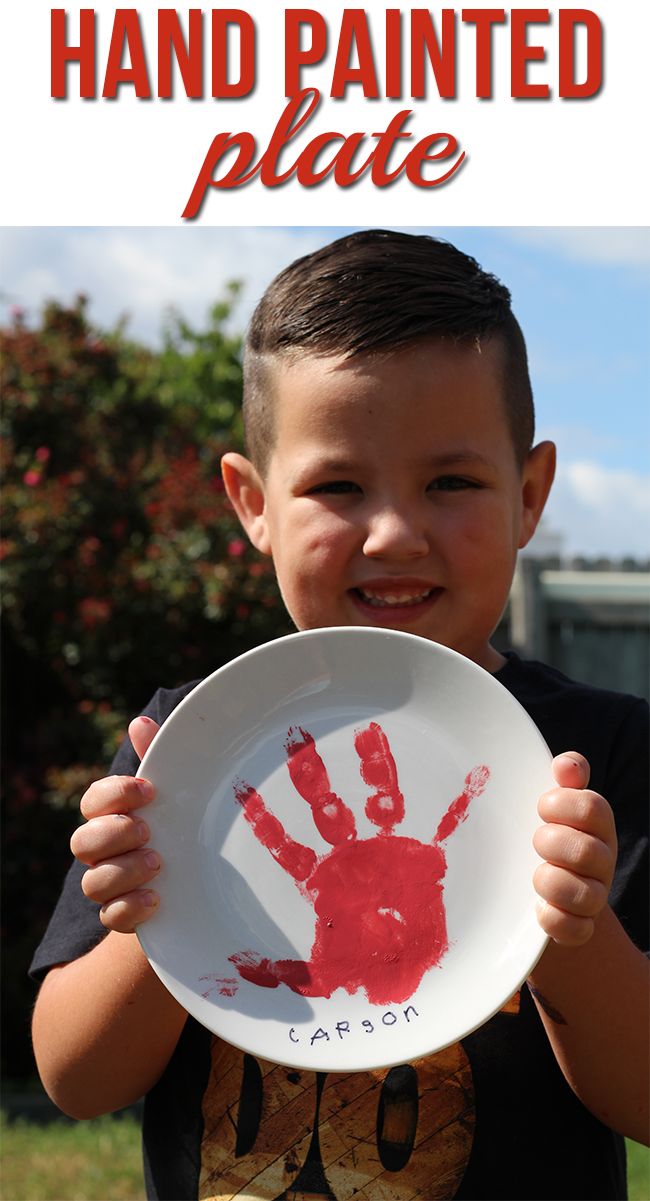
(122, 564)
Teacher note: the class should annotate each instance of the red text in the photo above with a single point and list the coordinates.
(308, 166)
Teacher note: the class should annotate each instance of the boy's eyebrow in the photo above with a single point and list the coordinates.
(459, 457)
(463, 456)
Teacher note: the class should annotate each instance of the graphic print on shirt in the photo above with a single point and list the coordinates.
(273, 1133)
(378, 902)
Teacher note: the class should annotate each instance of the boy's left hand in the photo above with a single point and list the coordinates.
(578, 844)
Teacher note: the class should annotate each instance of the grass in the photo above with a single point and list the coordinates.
(638, 1172)
(101, 1161)
(69, 1161)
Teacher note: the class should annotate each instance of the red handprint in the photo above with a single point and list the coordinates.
(380, 917)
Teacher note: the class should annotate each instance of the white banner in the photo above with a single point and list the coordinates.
(516, 116)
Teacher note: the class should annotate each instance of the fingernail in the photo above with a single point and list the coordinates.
(143, 830)
(152, 860)
(150, 899)
(146, 788)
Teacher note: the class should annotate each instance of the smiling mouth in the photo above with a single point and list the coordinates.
(388, 600)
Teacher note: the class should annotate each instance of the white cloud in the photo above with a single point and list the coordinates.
(601, 510)
(613, 246)
(141, 272)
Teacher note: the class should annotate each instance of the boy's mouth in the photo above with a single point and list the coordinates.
(394, 602)
(395, 599)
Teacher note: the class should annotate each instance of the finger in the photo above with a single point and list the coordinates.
(576, 851)
(299, 861)
(105, 837)
(385, 808)
(475, 784)
(116, 877)
(332, 818)
(123, 914)
(115, 794)
(581, 809)
(571, 770)
(142, 732)
(577, 895)
(564, 928)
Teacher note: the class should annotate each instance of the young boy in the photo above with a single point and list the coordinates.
(392, 476)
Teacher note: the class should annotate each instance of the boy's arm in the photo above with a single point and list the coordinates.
(591, 985)
(104, 1025)
(104, 1028)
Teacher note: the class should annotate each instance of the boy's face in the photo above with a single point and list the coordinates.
(392, 495)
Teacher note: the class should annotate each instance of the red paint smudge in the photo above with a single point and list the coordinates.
(267, 973)
(226, 986)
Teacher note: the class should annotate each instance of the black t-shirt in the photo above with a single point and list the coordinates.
(491, 1117)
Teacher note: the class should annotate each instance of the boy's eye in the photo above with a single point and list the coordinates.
(334, 487)
(451, 483)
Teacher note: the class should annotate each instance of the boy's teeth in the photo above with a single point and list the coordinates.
(391, 598)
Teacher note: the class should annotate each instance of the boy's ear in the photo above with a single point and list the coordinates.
(537, 477)
(245, 491)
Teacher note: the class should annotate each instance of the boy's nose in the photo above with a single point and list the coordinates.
(392, 533)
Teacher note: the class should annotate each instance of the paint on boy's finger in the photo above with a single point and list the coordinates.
(145, 787)
(575, 761)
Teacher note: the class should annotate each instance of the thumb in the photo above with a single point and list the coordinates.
(571, 770)
(142, 732)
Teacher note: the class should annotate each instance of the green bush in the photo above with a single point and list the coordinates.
(122, 568)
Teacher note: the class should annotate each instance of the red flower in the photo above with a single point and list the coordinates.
(94, 611)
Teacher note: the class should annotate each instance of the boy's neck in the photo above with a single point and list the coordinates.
(493, 660)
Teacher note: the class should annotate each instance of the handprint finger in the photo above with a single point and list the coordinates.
(332, 818)
(475, 784)
(385, 808)
(299, 861)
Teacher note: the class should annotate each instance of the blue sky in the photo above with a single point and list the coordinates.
(582, 296)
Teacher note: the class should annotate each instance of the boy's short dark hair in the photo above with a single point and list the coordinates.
(375, 291)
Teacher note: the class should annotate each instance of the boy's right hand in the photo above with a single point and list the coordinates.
(113, 843)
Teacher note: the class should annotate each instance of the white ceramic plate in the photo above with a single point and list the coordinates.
(312, 926)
